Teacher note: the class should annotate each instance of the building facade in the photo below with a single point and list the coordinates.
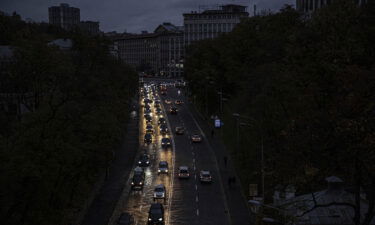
(64, 16)
(212, 22)
(308, 6)
(91, 27)
(159, 53)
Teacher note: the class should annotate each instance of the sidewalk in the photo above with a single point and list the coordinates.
(104, 203)
(237, 204)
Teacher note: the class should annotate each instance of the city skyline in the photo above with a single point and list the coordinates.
(133, 17)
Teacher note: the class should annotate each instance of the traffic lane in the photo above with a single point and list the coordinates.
(183, 210)
(139, 202)
(205, 160)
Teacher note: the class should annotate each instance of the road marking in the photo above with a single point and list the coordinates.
(196, 187)
(196, 198)
(193, 160)
(197, 212)
(194, 168)
(195, 176)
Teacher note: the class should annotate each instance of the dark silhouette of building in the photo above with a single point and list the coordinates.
(64, 16)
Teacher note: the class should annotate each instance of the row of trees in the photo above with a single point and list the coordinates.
(79, 102)
(303, 86)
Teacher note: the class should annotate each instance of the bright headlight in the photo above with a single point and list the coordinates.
(139, 162)
(160, 219)
(132, 183)
(140, 183)
(149, 219)
(159, 171)
(166, 170)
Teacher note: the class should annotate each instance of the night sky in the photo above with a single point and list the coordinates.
(130, 15)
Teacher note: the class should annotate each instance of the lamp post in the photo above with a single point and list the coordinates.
(238, 116)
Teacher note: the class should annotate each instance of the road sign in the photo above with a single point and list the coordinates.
(217, 123)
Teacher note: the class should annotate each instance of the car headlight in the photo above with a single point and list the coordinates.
(147, 162)
(139, 162)
(140, 183)
(132, 183)
(160, 219)
(166, 170)
(159, 171)
(149, 219)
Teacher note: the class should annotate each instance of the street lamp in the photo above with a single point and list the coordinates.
(238, 116)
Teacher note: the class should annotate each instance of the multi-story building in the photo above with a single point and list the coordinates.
(90, 27)
(64, 16)
(158, 53)
(212, 22)
(308, 6)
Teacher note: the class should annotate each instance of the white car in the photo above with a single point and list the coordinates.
(205, 176)
(160, 192)
(183, 172)
(196, 138)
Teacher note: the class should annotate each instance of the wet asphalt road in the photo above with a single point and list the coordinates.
(188, 201)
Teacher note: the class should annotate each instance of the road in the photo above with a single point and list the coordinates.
(188, 202)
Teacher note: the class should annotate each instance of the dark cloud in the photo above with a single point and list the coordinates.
(132, 15)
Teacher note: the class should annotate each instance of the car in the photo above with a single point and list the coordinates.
(163, 167)
(137, 182)
(205, 176)
(168, 101)
(147, 112)
(183, 172)
(163, 129)
(196, 138)
(162, 121)
(148, 118)
(160, 192)
(180, 130)
(148, 138)
(157, 105)
(159, 111)
(149, 129)
(147, 106)
(139, 171)
(178, 102)
(173, 110)
(156, 214)
(125, 219)
(165, 142)
(144, 160)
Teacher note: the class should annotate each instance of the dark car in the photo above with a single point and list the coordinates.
(148, 138)
(163, 129)
(137, 182)
(149, 129)
(125, 219)
(156, 214)
(173, 110)
(162, 120)
(163, 167)
(165, 142)
(148, 118)
(144, 160)
(178, 102)
(159, 111)
(180, 130)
